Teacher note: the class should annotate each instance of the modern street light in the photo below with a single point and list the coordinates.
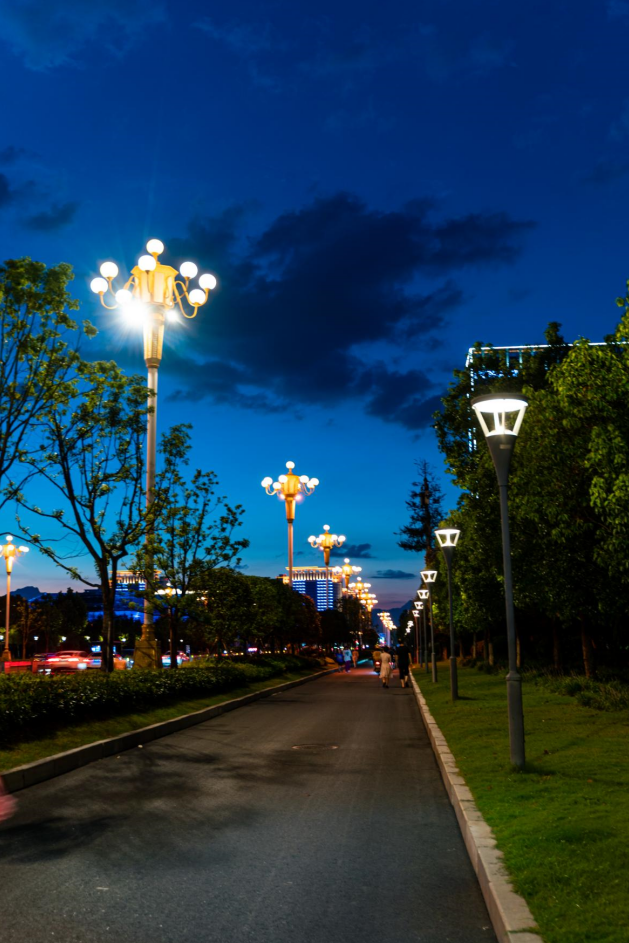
(429, 577)
(326, 541)
(500, 418)
(9, 551)
(424, 596)
(417, 614)
(448, 537)
(290, 488)
(151, 294)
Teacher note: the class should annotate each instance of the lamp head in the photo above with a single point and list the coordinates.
(447, 536)
(499, 414)
(155, 247)
(429, 576)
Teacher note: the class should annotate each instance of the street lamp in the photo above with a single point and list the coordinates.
(448, 537)
(290, 488)
(347, 571)
(326, 541)
(152, 293)
(500, 418)
(417, 612)
(429, 577)
(424, 596)
(9, 551)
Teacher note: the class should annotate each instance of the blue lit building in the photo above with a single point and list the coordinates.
(311, 581)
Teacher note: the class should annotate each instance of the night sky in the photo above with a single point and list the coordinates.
(375, 185)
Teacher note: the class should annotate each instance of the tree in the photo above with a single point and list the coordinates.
(192, 534)
(91, 452)
(35, 330)
(335, 629)
(229, 604)
(266, 611)
(424, 505)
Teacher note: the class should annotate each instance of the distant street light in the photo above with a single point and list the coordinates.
(424, 596)
(429, 577)
(9, 551)
(500, 418)
(347, 571)
(326, 541)
(417, 615)
(448, 538)
(150, 295)
(290, 488)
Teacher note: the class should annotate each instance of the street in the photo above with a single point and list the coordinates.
(317, 815)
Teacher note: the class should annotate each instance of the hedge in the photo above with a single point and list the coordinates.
(31, 704)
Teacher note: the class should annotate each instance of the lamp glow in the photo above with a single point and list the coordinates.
(155, 246)
(109, 270)
(147, 263)
(197, 297)
(99, 286)
(188, 269)
(207, 281)
(123, 296)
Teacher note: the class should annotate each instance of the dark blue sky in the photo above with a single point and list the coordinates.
(376, 187)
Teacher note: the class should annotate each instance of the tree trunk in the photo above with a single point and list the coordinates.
(173, 640)
(107, 656)
(490, 648)
(474, 645)
(556, 648)
(588, 652)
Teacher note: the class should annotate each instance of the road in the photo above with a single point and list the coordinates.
(313, 816)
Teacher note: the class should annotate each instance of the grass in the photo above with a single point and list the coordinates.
(563, 822)
(80, 734)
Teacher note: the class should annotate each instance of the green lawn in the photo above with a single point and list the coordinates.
(563, 823)
(77, 735)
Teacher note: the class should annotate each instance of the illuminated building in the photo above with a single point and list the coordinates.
(311, 581)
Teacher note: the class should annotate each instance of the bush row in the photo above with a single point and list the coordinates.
(34, 704)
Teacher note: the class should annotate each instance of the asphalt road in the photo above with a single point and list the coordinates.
(313, 816)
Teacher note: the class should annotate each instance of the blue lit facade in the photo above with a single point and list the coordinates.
(311, 581)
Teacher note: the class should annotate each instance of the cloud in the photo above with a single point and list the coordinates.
(46, 35)
(393, 575)
(328, 281)
(607, 171)
(58, 216)
(353, 551)
(11, 155)
(6, 193)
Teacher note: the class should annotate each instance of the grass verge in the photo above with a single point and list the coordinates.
(563, 823)
(80, 734)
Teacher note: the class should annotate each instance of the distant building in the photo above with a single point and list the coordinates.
(311, 581)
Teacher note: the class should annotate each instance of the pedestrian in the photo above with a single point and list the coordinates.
(386, 666)
(355, 654)
(403, 663)
(376, 656)
(338, 657)
(347, 658)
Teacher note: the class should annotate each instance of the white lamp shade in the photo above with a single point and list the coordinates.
(109, 270)
(447, 536)
(266, 482)
(197, 297)
(429, 576)
(147, 263)
(123, 296)
(313, 482)
(188, 269)
(500, 415)
(208, 281)
(155, 246)
(99, 286)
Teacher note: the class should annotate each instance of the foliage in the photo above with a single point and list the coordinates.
(425, 510)
(30, 704)
(38, 338)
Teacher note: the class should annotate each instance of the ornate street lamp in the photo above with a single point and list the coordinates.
(429, 577)
(424, 595)
(500, 418)
(151, 294)
(9, 551)
(326, 541)
(347, 571)
(290, 488)
(448, 538)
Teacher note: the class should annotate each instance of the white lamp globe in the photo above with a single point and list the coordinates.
(147, 263)
(155, 246)
(197, 297)
(266, 482)
(173, 317)
(109, 270)
(99, 286)
(207, 281)
(188, 269)
(313, 482)
(123, 296)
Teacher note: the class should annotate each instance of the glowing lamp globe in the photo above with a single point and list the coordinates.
(208, 281)
(109, 270)
(197, 297)
(155, 246)
(147, 263)
(99, 286)
(124, 296)
(188, 269)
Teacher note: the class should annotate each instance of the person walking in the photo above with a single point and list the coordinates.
(403, 663)
(347, 657)
(339, 659)
(355, 654)
(386, 666)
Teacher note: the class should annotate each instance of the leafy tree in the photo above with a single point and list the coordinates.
(229, 605)
(192, 534)
(92, 447)
(35, 333)
(266, 611)
(334, 628)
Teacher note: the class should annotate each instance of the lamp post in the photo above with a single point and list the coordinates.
(424, 596)
(500, 418)
(326, 541)
(429, 577)
(290, 488)
(448, 537)
(417, 613)
(9, 551)
(347, 571)
(152, 294)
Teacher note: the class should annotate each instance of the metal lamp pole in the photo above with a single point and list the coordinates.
(500, 418)
(290, 488)
(429, 577)
(448, 538)
(424, 596)
(9, 551)
(151, 294)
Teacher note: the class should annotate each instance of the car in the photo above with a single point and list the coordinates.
(61, 662)
(181, 657)
(38, 661)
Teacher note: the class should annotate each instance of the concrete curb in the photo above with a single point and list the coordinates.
(28, 775)
(510, 915)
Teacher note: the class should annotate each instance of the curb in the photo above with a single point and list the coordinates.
(32, 773)
(509, 913)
